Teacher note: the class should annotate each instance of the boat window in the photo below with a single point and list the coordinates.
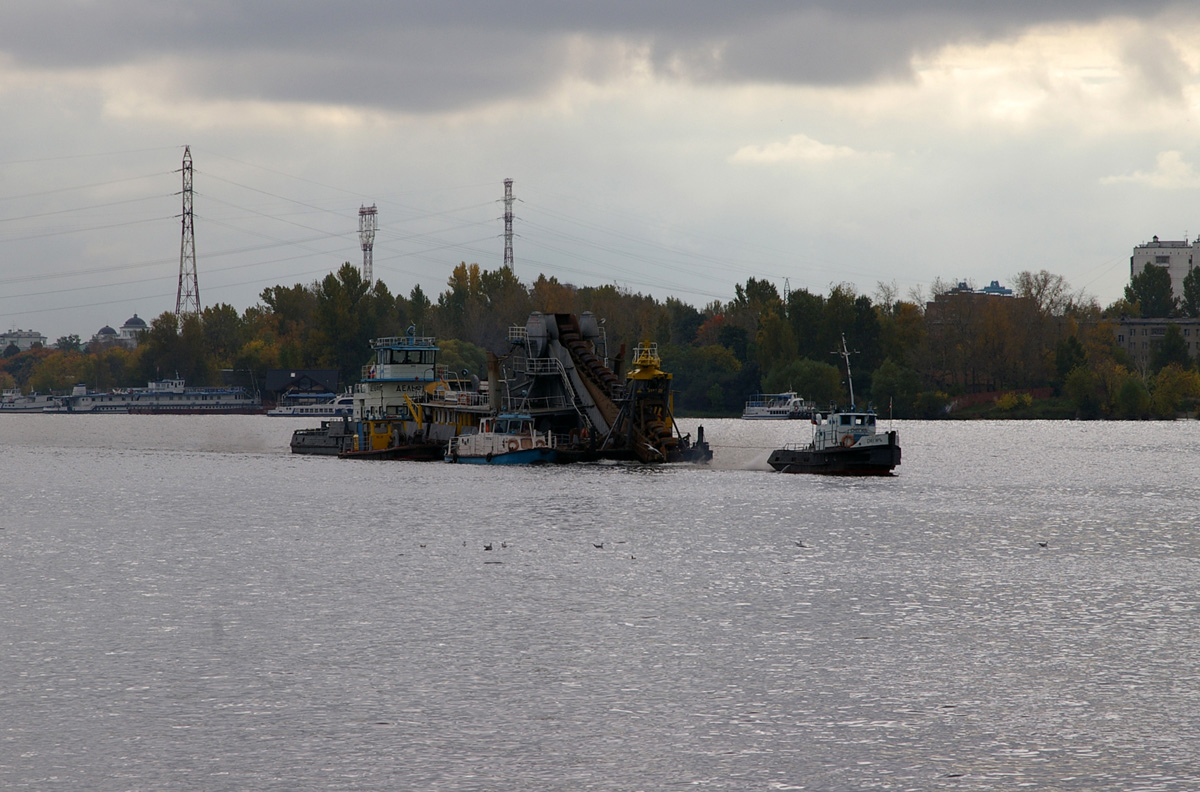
(846, 420)
(870, 420)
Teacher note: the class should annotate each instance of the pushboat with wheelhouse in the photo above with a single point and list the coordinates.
(844, 443)
(507, 439)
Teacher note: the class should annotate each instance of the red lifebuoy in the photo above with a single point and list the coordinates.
(848, 441)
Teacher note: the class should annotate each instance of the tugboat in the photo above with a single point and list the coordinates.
(408, 406)
(508, 439)
(844, 443)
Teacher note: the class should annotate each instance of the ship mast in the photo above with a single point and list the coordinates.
(845, 353)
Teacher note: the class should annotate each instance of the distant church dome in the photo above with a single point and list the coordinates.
(106, 331)
(133, 322)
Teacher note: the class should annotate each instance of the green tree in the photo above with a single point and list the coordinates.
(223, 333)
(69, 342)
(806, 312)
(459, 356)
(704, 373)
(815, 380)
(902, 332)
(931, 404)
(159, 348)
(419, 308)
(1069, 355)
(57, 371)
(735, 339)
(1171, 350)
(1132, 399)
(109, 367)
(346, 322)
(775, 341)
(895, 385)
(1189, 302)
(683, 322)
(1151, 290)
(1080, 387)
(1174, 386)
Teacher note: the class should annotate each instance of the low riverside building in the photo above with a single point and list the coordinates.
(1140, 337)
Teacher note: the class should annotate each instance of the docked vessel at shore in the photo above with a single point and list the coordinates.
(777, 407)
(325, 405)
(844, 443)
(508, 439)
(166, 397)
(13, 401)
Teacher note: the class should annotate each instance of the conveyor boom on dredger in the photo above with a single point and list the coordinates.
(560, 375)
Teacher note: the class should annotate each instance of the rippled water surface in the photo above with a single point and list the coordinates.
(189, 606)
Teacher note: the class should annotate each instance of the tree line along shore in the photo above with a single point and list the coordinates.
(1037, 350)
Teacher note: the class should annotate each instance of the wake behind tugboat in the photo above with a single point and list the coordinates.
(844, 443)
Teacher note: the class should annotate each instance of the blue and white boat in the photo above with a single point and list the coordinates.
(508, 439)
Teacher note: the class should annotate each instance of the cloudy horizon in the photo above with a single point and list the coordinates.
(670, 148)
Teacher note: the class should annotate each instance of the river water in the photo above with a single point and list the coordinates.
(189, 606)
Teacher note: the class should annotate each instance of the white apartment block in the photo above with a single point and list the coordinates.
(1175, 256)
(22, 339)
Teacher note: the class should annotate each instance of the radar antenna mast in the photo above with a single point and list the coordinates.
(846, 353)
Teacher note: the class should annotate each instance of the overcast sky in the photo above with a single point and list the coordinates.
(676, 147)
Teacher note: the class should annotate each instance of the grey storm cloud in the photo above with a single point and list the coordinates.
(422, 57)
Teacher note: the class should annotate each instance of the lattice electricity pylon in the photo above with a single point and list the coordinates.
(367, 223)
(187, 299)
(508, 218)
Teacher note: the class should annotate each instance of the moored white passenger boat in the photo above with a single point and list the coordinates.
(508, 439)
(165, 397)
(777, 407)
(13, 401)
(325, 406)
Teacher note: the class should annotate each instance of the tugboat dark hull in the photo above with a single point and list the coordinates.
(873, 460)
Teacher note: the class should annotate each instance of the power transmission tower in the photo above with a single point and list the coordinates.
(508, 218)
(368, 221)
(187, 299)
